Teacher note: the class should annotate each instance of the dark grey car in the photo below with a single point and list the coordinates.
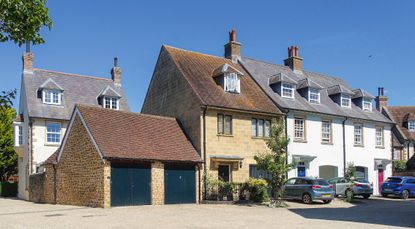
(308, 190)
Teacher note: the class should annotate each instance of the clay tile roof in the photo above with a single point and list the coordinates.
(127, 135)
(402, 114)
(198, 69)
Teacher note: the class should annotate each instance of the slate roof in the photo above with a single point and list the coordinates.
(362, 93)
(127, 135)
(77, 89)
(401, 114)
(337, 89)
(261, 71)
(198, 69)
(307, 82)
(280, 78)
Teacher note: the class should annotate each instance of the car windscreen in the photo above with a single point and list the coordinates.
(394, 180)
(361, 180)
(321, 182)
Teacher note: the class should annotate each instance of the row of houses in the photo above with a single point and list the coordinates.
(203, 115)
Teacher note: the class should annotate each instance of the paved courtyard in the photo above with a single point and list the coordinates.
(373, 213)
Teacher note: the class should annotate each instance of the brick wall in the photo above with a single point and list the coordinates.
(82, 177)
(157, 183)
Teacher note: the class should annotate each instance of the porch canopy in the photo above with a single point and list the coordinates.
(235, 161)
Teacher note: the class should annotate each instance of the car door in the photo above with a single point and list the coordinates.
(410, 183)
(289, 188)
(341, 187)
(299, 188)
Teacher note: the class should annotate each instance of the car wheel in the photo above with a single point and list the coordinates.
(405, 194)
(307, 198)
(326, 201)
(366, 196)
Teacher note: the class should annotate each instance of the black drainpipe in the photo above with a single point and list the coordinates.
(286, 136)
(54, 183)
(204, 153)
(344, 145)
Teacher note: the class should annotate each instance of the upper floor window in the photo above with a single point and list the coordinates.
(287, 90)
(314, 95)
(18, 135)
(51, 96)
(232, 83)
(326, 131)
(379, 136)
(358, 134)
(367, 105)
(260, 128)
(53, 133)
(411, 126)
(224, 124)
(110, 103)
(345, 100)
(299, 129)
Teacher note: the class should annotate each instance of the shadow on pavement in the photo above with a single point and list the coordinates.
(389, 212)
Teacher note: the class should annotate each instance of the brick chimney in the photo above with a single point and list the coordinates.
(294, 61)
(116, 73)
(381, 99)
(233, 48)
(27, 58)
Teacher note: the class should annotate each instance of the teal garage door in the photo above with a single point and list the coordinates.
(130, 185)
(179, 184)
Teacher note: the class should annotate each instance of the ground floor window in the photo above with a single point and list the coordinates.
(256, 173)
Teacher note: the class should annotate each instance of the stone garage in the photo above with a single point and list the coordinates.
(117, 158)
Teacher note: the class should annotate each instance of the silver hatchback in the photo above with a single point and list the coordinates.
(359, 187)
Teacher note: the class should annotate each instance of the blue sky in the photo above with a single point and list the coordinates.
(335, 37)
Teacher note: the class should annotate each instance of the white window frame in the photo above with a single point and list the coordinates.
(411, 126)
(299, 129)
(314, 92)
(59, 134)
(346, 97)
(379, 136)
(358, 134)
(18, 134)
(232, 83)
(48, 96)
(366, 104)
(289, 90)
(114, 102)
(326, 135)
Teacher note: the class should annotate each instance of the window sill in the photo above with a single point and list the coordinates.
(380, 147)
(52, 144)
(260, 138)
(360, 145)
(300, 140)
(327, 143)
(224, 135)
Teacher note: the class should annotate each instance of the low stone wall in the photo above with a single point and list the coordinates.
(406, 173)
(36, 188)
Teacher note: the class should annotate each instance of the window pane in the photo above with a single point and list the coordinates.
(231, 82)
(411, 125)
(107, 103)
(220, 124)
(299, 129)
(254, 172)
(358, 134)
(260, 128)
(253, 127)
(48, 97)
(325, 131)
(114, 104)
(267, 128)
(379, 136)
(314, 95)
(345, 100)
(20, 134)
(228, 124)
(287, 90)
(53, 133)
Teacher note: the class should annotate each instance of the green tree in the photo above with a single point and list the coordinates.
(275, 162)
(21, 20)
(349, 174)
(8, 157)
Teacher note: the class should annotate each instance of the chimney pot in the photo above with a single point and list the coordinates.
(116, 73)
(115, 61)
(294, 61)
(233, 48)
(381, 99)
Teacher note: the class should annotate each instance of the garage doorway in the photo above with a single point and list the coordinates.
(179, 184)
(328, 172)
(130, 185)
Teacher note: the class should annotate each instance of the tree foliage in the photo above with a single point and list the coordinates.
(8, 157)
(275, 162)
(21, 20)
(349, 174)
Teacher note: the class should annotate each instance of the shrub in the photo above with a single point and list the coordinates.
(8, 189)
(257, 189)
(399, 166)
(217, 189)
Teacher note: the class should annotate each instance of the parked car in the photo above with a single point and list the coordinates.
(403, 187)
(359, 187)
(308, 190)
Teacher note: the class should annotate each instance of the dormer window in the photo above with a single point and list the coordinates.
(287, 90)
(53, 97)
(232, 83)
(110, 102)
(411, 126)
(367, 104)
(314, 95)
(345, 101)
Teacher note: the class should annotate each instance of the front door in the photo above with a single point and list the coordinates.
(380, 178)
(223, 172)
(301, 171)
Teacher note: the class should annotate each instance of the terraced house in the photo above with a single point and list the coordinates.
(328, 122)
(222, 110)
(47, 99)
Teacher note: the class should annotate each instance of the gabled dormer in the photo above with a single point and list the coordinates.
(228, 78)
(50, 92)
(340, 95)
(409, 122)
(363, 99)
(309, 90)
(283, 85)
(109, 98)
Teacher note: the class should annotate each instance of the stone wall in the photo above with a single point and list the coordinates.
(36, 187)
(157, 183)
(82, 176)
